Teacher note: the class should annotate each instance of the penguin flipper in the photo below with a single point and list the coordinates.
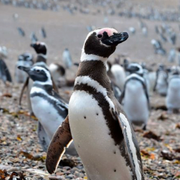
(130, 145)
(43, 137)
(22, 90)
(146, 94)
(61, 139)
(4, 72)
(122, 94)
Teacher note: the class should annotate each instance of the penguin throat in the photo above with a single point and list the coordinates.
(92, 57)
(42, 83)
(43, 55)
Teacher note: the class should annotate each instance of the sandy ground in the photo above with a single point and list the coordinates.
(66, 30)
(18, 130)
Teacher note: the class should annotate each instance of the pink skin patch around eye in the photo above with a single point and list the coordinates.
(109, 31)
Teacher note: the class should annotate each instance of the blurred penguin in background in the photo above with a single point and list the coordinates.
(67, 60)
(173, 92)
(58, 73)
(161, 83)
(25, 59)
(134, 98)
(5, 75)
(119, 75)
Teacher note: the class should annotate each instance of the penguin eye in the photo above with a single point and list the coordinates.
(99, 36)
(38, 71)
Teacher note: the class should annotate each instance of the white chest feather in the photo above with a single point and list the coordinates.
(161, 86)
(135, 102)
(173, 94)
(46, 114)
(100, 156)
(119, 75)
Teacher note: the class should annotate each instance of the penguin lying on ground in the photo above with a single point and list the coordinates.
(134, 98)
(25, 59)
(173, 92)
(103, 136)
(46, 104)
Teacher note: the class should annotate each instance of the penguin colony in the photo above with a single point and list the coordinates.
(104, 128)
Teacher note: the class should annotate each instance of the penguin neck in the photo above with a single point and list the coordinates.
(94, 70)
(47, 84)
(92, 57)
(41, 88)
(135, 76)
(41, 58)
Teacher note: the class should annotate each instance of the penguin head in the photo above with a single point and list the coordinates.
(101, 43)
(28, 57)
(40, 47)
(39, 74)
(135, 68)
(25, 59)
(174, 71)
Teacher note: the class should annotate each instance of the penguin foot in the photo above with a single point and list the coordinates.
(144, 127)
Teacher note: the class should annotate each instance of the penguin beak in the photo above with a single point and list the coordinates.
(115, 39)
(26, 69)
(32, 45)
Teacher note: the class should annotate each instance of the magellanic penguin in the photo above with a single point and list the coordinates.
(66, 56)
(161, 83)
(5, 74)
(102, 134)
(134, 98)
(173, 92)
(41, 50)
(119, 75)
(25, 59)
(116, 89)
(47, 105)
(58, 73)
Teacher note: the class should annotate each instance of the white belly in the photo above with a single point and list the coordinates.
(135, 103)
(161, 86)
(101, 158)
(173, 94)
(20, 76)
(46, 114)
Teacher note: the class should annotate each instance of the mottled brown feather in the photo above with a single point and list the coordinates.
(59, 142)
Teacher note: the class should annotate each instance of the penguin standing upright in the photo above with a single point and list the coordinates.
(47, 105)
(41, 50)
(102, 134)
(161, 83)
(5, 74)
(119, 75)
(173, 92)
(67, 58)
(134, 98)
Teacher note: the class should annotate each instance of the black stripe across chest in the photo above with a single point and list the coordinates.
(97, 72)
(62, 110)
